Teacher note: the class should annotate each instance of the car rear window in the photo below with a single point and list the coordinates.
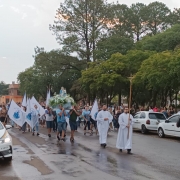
(157, 116)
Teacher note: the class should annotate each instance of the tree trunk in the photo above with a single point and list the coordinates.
(154, 98)
(162, 98)
(107, 100)
(86, 37)
(93, 43)
(176, 101)
(165, 97)
(170, 96)
(119, 97)
(88, 98)
(150, 102)
(101, 97)
(137, 36)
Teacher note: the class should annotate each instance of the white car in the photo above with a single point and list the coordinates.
(145, 120)
(169, 127)
(5, 143)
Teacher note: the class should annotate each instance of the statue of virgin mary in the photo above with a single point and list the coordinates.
(62, 91)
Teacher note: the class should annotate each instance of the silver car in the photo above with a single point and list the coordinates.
(148, 121)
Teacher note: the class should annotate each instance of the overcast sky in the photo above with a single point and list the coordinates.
(24, 24)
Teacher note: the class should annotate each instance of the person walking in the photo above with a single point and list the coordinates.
(25, 123)
(61, 120)
(104, 118)
(73, 114)
(49, 120)
(55, 124)
(111, 126)
(36, 116)
(86, 116)
(124, 138)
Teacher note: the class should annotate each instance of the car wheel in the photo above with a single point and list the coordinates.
(8, 159)
(143, 129)
(161, 133)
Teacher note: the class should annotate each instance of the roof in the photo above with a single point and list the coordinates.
(14, 86)
(149, 112)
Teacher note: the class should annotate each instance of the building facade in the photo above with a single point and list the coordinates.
(13, 93)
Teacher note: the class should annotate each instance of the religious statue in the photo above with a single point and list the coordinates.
(63, 91)
(62, 99)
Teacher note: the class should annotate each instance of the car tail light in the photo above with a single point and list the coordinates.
(148, 122)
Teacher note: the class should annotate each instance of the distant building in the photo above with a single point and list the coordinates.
(13, 94)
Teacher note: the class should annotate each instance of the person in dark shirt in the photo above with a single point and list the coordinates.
(54, 121)
(115, 120)
(72, 121)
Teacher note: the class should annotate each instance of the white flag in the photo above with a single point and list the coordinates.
(40, 109)
(24, 102)
(94, 109)
(31, 115)
(48, 98)
(16, 114)
(28, 113)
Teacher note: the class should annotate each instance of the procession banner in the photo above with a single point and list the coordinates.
(48, 98)
(16, 114)
(40, 109)
(24, 102)
(94, 109)
(31, 117)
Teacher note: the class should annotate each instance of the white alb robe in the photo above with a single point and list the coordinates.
(123, 142)
(103, 125)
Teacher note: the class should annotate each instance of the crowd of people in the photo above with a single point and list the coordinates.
(104, 120)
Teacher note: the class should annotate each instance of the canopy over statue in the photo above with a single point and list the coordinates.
(62, 99)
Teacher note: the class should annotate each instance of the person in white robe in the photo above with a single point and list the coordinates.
(124, 138)
(35, 120)
(104, 118)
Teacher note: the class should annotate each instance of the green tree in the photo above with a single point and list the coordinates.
(79, 24)
(3, 88)
(137, 17)
(134, 59)
(106, 79)
(50, 70)
(113, 44)
(120, 21)
(154, 77)
(30, 82)
(167, 40)
(157, 16)
(175, 16)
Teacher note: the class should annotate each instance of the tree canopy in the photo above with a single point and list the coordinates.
(3, 88)
(102, 45)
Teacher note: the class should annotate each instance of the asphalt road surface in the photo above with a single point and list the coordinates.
(42, 158)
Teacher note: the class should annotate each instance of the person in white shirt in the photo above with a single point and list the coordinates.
(150, 109)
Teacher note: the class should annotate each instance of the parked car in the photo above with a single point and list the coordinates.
(5, 143)
(169, 127)
(148, 121)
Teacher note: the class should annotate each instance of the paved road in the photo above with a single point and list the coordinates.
(42, 158)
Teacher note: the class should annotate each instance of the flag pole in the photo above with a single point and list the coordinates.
(130, 97)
